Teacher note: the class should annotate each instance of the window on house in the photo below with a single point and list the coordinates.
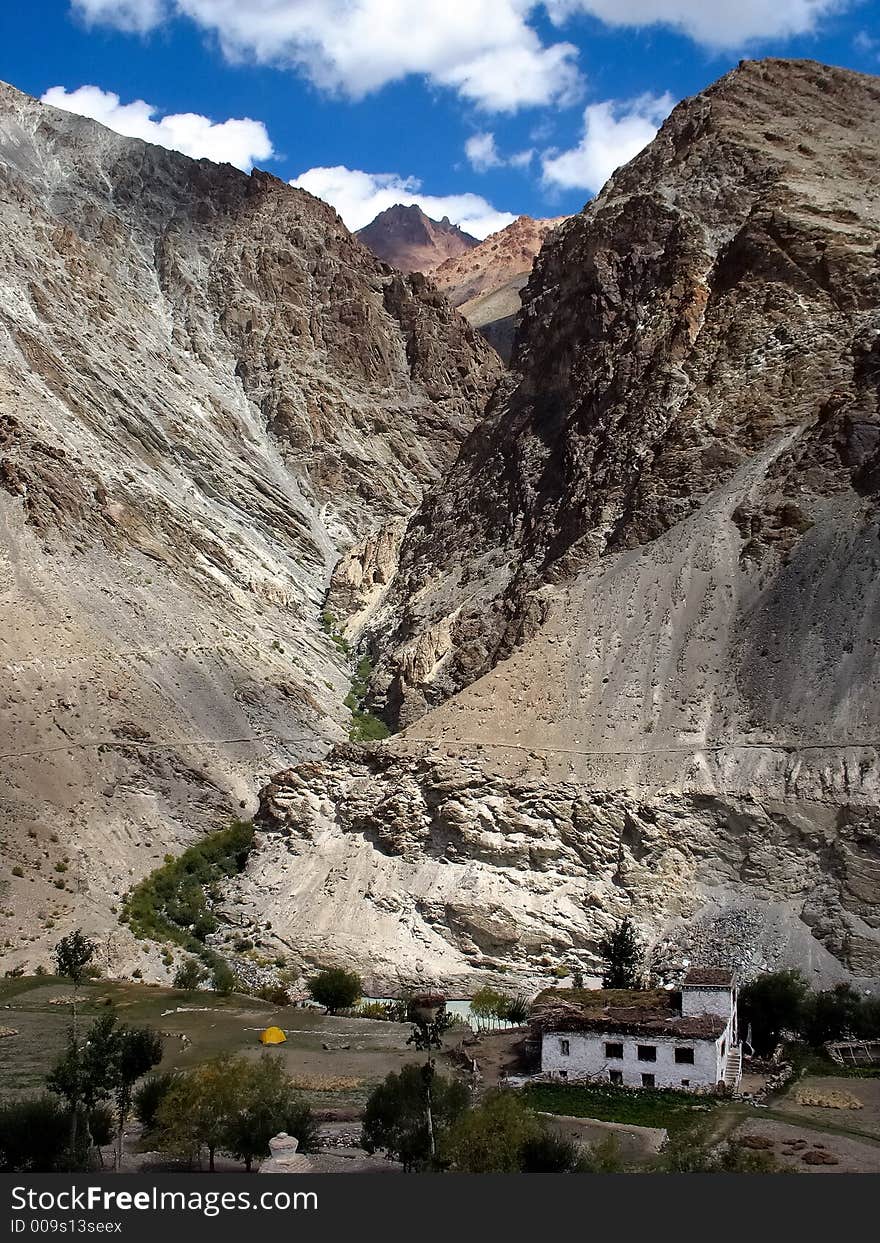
(613, 1050)
(647, 1081)
(723, 1047)
(647, 1053)
(684, 1057)
(615, 1076)
(685, 1083)
(563, 1074)
(565, 1047)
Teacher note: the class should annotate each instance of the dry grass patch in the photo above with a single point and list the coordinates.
(825, 1098)
(326, 1083)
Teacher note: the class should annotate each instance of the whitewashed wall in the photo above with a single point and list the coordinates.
(587, 1059)
(721, 1001)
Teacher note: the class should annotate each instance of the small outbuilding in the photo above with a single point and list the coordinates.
(273, 1035)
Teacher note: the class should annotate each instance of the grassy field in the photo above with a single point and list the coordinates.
(335, 1060)
(676, 1111)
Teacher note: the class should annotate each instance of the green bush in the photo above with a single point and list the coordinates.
(171, 904)
(223, 979)
(149, 1096)
(188, 975)
(102, 1125)
(771, 1004)
(34, 1135)
(546, 1153)
(395, 1117)
(335, 989)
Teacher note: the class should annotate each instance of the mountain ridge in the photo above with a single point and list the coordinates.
(630, 640)
(208, 391)
(408, 239)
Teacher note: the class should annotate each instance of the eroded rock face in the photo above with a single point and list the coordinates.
(632, 638)
(418, 865)
(717, 301)
(208, 391)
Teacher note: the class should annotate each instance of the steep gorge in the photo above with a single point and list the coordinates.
(632, 637)
(208, 391)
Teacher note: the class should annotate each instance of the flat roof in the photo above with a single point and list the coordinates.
(648, 1012)
(712, 977)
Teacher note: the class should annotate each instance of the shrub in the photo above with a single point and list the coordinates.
(546, 1153)
(515, 1010)
(223, 979)
(276, 994)
(491, 1138)
(34, 1135)
(335, 989)
(101, 1125)
(188, 975)
(171, 904)
(395, 1117)
(149, 1096)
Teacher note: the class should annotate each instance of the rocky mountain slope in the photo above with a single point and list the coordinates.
(485, 283)
(208, 391)
(633, 635)
(411, 241)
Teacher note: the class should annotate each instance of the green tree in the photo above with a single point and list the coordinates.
(830, 1015)
(623, 956)
(73, 954)
(82, 1078)
(491, 1138)
(268, 1104)
(487, 1003)
(771, 1004)
(222, 978)
(395, 1118)
(189, 975)
(197, 1110)
(133, 1051)
(515, 1009)
(149, 1096)
(336, 989)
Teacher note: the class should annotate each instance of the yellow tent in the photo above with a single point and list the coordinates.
(273, 1035)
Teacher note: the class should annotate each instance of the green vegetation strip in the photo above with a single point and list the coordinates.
(365, 727)
(675, 1111)
(173, 903)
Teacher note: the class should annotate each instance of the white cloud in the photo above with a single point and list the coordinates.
(482, 154)
(613, 133)
(484, 49)
(360, 196)
(728, 24)
(134, 15)
(239, 141)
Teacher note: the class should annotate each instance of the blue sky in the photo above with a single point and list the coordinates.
(484, 109)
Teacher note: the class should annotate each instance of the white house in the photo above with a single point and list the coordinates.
(644, 1038)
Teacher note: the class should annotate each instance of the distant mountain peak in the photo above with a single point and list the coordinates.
(405, 237)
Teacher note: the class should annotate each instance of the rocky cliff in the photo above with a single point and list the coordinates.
(208, 391)
(485, 283)
(633, 636)
(411, 241)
